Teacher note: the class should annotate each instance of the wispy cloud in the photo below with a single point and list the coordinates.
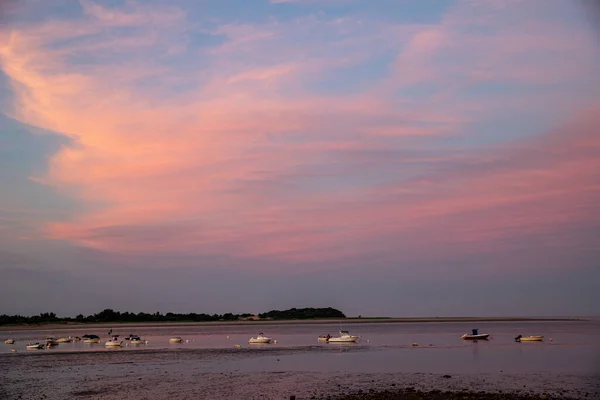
(316, 138)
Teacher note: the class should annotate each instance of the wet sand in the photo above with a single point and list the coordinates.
(222, 374)
(73, 325)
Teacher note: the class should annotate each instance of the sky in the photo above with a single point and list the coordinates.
(383, 157)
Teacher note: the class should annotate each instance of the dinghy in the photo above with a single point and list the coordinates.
(529, 338)
(260, 339)
(475, 335)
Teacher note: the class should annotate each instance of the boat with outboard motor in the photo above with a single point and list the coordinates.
(475, 335)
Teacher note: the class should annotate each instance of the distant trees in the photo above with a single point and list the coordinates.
(304, 313)
(109, 315)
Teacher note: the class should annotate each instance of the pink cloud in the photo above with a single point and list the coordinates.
(218, 167)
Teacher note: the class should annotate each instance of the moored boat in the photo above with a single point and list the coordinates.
(65, 339)
(529, 338)
(475, 335)
(114, 342)
(51, 341)
(9, 341)
(34, 346)
(260, 339)
(91, 339)
(136, 340)
(175, 339)
(345, 337)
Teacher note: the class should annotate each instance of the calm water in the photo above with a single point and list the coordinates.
(575, 346)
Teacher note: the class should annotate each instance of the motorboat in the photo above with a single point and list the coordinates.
(34, 346)
(529, 338)
(65, 339)
(175, 339)
(324, 338)
(114, 342)
(260, 339)
(345, 337)
(9, 341)
(51, 341)
(135, 340)
(475, 335)
(90, 339)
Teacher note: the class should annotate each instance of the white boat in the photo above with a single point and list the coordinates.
(175, 339)
(91, 339)
(9, 341)
(114, 342)
(260, 339)
(136, 340)
(65, 339)
(529, 338)
(34, 346)
(51, 341)
(345, 337)
(475, 335)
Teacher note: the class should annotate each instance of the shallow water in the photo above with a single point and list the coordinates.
(571, 361)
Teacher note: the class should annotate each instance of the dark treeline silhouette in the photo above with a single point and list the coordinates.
(303, 313)
(110, 315)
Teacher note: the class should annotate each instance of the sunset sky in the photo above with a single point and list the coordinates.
(384, 157)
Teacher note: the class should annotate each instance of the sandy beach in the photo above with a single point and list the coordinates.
(72, 325)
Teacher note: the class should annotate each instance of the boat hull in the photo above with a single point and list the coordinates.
(91, 340)
(112, 344)
(137, 342)
(64, 340)
(260, 341)
(9, 341)
(36, 346)
(482, 336)
(351, 339)
(175, 340)
(532, 339)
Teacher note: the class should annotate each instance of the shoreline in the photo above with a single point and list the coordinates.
(76, 325)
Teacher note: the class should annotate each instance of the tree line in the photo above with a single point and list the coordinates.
(109, 315)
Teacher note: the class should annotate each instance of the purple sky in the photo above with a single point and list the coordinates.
(400, 158)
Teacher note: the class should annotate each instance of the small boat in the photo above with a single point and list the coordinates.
(51, 341)
(65, 339)
(9, 341)
(324, 338)
(175, 339)
(345, 337)
(90, 339)
(135, 340)
(475, 335)
(114, 342)
(260, 339)
(529, 338)
(34, 346)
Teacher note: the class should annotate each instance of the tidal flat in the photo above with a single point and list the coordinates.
(384, 364)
